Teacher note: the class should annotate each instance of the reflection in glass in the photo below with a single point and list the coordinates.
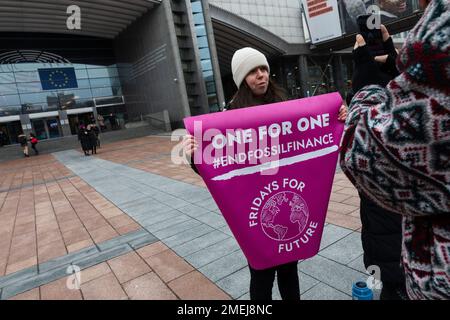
(53, 128)
(39, 129)
(21, 90)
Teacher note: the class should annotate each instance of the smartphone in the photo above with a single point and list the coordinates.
(373, 37)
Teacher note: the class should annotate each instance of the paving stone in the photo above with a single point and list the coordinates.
(214, 220)
(143, 241)
(144, 202)
(193, 210)
(358, 264)
(104, 288)
(168, 265)
(188, 235)
(157, 218)
(174, 229)
(144, 210)
(211, 253)
(34, 282)
(324, 292)
(68, 259)
(237, 283)
(199, 243)
(195, 196)
(125, 197)
(102, 256)
(18, 276)
(155, 181)
(306, 282)
(121, 240)
(177, 188)
(32, 294)
(128, 267)
(148, 287)
(344, 250)
(226, 229)
(175, 203)
(160, 195)
(332, 273)
(245, 296)
(195, 286)
(166, 223)
(208, 204)
(224, 266)
(331, 234)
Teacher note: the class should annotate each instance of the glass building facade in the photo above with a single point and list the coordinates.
(22, 89)
(205, 55)
(78, 79)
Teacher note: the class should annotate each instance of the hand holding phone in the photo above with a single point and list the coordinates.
(373, 37)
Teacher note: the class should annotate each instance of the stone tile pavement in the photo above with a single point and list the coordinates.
(185, 251)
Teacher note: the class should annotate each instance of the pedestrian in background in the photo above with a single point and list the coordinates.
(22, 139)
(34, 141)
(92, 138)
(83, 137)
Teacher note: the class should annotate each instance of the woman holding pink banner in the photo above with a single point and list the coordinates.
(251, 75)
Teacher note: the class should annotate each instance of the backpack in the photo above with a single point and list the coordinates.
(34, 140)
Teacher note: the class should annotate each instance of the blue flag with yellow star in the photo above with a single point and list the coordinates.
(58, 78)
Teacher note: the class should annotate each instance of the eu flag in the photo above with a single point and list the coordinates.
(58, 78)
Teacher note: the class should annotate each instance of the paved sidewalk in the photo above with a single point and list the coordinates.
(152, 231)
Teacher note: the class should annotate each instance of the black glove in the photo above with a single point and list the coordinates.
(390, 67)
(367, 71)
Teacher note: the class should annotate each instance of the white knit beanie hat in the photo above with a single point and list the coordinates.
(245, 60)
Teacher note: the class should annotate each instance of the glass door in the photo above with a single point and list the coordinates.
(39, 129)
(53, 128)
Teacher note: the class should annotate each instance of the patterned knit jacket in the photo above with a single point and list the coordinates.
(396, 150)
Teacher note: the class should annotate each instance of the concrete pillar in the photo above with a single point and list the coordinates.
(26, 124)
(64, 121)
(303, 72)
(338, 75)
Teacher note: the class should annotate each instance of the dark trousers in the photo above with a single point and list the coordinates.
(261, 282)
(381, 237)
(34, 148)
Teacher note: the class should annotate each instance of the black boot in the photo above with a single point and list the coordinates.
(393, 292)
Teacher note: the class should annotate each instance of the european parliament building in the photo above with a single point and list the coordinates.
(144, 65)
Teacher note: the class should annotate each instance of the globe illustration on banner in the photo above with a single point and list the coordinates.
(284, 216)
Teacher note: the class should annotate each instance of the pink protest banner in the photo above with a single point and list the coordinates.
(270, 170)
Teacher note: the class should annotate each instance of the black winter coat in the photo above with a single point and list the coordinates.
(381, 237)
(83, 137)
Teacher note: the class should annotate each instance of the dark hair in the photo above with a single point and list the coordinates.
(244, 96)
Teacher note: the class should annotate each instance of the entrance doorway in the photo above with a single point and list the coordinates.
(46, 128)
(9, 132)
(75, 120)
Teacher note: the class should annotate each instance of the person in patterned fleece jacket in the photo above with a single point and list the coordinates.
(396, 148)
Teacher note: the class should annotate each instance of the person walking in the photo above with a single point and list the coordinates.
(396, 142)
(2, 138)
(92, 138)
(34, 141)
(22, 139)
(101, 121)
(83, 137)
(251, 75)
(97, 135)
